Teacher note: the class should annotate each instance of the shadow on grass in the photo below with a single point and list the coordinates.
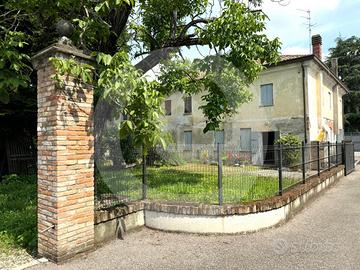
(18, 222)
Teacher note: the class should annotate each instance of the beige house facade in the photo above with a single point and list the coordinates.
(300, 95)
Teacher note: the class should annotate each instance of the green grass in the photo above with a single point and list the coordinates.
(18, 213)
(185, 183)
(195, 183)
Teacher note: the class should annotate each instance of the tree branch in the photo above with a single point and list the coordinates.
(193, 23)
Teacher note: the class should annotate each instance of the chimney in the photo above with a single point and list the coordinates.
(316, 44)
(335, 66)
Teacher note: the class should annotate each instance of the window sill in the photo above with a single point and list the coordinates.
(264, 106)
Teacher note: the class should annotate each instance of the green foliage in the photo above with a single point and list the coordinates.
(15, 66)
(70, 67)
(117, 30)
(144, 111)
(291, 149)
(224, 87)
(18, 212)
(288, 140)
(347, 52)
(239, 34)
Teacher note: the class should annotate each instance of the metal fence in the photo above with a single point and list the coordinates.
(349, 157)
(18, 156)
(213, 174)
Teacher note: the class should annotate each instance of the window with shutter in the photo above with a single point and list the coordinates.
(167, 107)
(267, 98)
(188, 105)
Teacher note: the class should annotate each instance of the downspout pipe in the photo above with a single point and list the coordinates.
(304, 102)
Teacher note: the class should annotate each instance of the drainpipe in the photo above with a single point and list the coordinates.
(304, 102)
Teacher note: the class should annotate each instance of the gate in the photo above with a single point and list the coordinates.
(349, 157)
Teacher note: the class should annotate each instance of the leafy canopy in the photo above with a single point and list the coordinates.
(117, 32)
(348, 53)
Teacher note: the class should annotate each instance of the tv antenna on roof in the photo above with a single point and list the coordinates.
(309, 24)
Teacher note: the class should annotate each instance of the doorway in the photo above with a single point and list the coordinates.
(268, 139)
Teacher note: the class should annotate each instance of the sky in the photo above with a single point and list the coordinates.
(332, 18)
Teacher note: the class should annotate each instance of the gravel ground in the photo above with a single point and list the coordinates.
(15, 258)
(325, 235)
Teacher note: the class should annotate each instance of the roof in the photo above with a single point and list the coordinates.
(289, 59)
(286, 57)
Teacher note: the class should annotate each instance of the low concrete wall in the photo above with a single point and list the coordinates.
(113, 223)
(237, 219)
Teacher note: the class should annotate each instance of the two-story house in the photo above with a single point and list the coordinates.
(299, 95)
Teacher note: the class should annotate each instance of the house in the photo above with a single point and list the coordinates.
(300, 95)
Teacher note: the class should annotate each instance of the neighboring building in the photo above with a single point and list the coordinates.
(300, 95)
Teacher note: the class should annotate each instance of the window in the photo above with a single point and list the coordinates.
(188, 140)
(266, 95)
(245, 139)
(219, 137)
(188, 105)
(167, 107)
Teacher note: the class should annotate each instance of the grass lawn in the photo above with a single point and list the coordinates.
(195, 183)
(185, 183)
(18, 213)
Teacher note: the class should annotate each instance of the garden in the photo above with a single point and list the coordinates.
(196, 183)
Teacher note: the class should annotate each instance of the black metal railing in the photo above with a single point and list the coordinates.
(215, 174)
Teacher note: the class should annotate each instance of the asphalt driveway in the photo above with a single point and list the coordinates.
(325, 235)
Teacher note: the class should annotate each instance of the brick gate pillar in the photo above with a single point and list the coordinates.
(65, 159)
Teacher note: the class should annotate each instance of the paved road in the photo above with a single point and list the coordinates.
(325, 235)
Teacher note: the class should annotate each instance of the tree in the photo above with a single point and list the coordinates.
(118, 31)
(348, 53)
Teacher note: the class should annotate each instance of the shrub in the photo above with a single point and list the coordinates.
(292, 150)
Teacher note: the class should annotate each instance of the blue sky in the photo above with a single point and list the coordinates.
(333, 18)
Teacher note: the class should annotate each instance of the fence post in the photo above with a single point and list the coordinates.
(280, 170)
(303, 145)
(220, 188)
(336, 154)
(329, 156)
(318, 156)
(343, 153)
(144, 178)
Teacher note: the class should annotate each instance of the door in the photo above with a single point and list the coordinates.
(256, 148)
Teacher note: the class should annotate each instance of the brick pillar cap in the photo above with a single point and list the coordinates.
(59, 48)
